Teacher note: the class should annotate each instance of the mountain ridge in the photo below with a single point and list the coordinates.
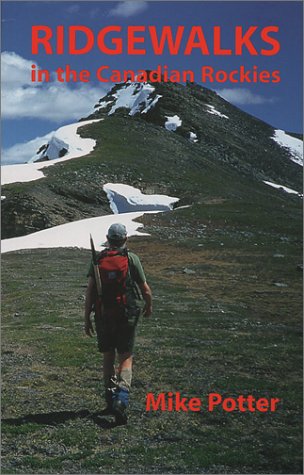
(228, 148)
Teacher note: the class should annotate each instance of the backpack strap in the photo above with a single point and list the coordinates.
(105, 252)
(133, 283)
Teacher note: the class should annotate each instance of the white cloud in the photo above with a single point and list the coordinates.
(242, 96)
(22, 152)
(128, 8)
(53, 101)
(15, 71)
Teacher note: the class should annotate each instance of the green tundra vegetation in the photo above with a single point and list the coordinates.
(225, 272)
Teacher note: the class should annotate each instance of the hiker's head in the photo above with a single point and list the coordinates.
(117, 235)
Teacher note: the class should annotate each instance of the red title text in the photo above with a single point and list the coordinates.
(139, 40)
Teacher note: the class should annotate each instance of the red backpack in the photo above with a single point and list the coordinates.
(113, 268)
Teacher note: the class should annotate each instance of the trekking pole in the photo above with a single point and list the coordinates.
(96, 274)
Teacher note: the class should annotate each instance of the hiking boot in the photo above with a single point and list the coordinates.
(109, 394)
(108, 410)
(119, 411)
(109, 402)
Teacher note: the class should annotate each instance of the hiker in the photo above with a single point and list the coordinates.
(124, 286)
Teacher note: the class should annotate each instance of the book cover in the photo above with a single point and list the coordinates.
(182, 122)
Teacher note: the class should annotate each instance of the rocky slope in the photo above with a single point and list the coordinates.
(184, 141)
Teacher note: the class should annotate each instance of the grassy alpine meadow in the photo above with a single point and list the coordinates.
(227, 320)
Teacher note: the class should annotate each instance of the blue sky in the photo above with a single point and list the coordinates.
(30, 110)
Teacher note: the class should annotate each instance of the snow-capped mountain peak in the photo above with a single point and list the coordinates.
(135, 96)
(55, 148)
(65, 142)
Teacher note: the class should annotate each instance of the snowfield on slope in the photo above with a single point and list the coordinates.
(76, 234)
(212, 110)
(77, 147)
(125, 198)
(281, 187)
(294, 145)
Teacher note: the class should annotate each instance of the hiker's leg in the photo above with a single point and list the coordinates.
(124, 377)
(125, 370)
(109, 376)
(125, 344)
(108, 365)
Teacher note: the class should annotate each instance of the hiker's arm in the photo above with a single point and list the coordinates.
(88, 327)
(147, 296)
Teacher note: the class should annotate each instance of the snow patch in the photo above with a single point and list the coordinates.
(102, 104)
(193, 137)
(136, 97)
(68, 138)
(74, 234)
(151, 103)
(281, 187)
(55, 148)
(212, 110)
(125, 198)
(77, 147)
(21, 172)
(294, 145)
(172, 123)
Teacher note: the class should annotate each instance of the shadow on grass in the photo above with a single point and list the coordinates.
(55, 418)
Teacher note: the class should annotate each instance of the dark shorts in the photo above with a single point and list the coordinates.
(116, 331)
